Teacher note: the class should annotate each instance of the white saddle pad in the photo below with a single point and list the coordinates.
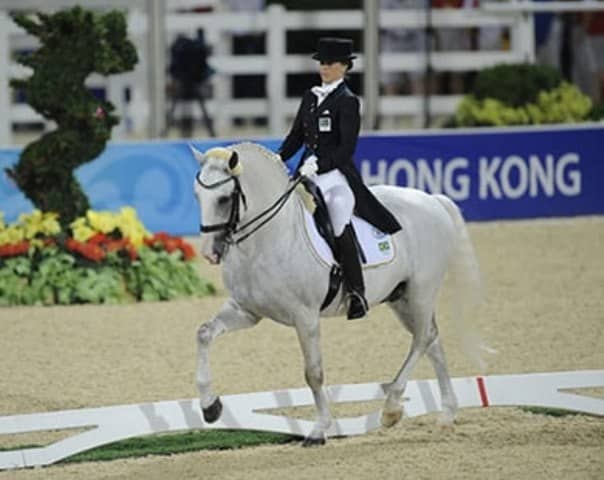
(377, 246)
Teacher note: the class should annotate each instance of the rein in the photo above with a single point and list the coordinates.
(230, 226)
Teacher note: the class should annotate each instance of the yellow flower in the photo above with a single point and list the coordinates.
(82, 232)
(38, 223)
(131, 227)
(50, 223)
(101, 221)
(12, 234)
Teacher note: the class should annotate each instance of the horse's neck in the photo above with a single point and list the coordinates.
(265, 187)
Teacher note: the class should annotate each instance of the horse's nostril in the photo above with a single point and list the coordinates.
(218, 246)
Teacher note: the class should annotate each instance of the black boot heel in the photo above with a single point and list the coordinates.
(357, 308)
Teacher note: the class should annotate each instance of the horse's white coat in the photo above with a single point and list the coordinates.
(274, 274)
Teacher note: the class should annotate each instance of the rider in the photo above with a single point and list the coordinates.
(327, 124)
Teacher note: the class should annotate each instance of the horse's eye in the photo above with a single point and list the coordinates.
(223, 201)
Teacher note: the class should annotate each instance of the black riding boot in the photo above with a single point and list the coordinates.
(353, 274)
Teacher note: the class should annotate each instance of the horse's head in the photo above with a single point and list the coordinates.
(220, 199)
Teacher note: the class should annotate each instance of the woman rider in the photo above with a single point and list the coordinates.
(327, 125)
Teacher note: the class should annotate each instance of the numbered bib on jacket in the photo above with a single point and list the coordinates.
(324, 124)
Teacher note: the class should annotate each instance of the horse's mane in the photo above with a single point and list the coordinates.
(251, 148)
(255, 148)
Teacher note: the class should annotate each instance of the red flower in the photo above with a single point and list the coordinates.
(165, 241)
(72, 244)
(88, 250)
(92, 252)
(131, 249)
(14, 249)
(113, 245)
(188, 251)
(171, 244)
(97, 238)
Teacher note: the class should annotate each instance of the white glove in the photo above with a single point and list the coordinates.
(309, 168)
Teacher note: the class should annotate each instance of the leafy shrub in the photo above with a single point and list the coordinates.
(102, 257)
(515, 84)
(563, 104)
(597, 113)
(522, 94)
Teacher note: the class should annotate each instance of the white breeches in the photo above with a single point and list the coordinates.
(338, 197)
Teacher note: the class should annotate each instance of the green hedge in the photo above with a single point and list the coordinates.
(523, 94)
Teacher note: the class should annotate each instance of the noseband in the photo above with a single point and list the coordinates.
(230, 226)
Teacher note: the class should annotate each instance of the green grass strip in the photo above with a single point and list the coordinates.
(170, 444)
(552, 412)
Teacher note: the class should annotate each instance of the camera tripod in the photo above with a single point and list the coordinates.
(183, 93)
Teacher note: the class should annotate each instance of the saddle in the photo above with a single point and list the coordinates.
(325, 230)
(323, 222)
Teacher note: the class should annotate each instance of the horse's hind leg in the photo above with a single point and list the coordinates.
(230, 317)
(418, 318)
(437, 357)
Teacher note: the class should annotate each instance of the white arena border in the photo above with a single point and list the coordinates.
(239, 411)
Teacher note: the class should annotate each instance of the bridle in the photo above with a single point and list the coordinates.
(237, 194)
(230, 227)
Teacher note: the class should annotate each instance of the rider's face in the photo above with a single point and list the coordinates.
(331, 71)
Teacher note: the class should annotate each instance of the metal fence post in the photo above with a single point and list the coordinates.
(371, 62)
(156, 11)
(276, 74)
(523, 39)
(5, 117)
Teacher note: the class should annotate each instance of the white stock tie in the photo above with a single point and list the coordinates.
(324, 90)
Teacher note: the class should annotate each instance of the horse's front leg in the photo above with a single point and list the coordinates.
(231, 317)
(310, 341)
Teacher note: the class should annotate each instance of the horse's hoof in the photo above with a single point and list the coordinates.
(446, 420)
(313, 442)
(212, 413)
(390, 419)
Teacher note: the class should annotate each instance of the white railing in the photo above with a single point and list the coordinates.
(276, 64)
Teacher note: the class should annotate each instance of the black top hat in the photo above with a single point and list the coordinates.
(334, 49)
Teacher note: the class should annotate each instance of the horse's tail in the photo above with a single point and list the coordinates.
(465, 278)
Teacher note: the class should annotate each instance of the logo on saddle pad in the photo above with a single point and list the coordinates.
(377, 246)
(384, 247)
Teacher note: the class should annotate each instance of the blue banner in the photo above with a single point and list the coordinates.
(496, 174)
(491, 174)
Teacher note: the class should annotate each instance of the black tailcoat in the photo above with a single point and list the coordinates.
(330, 131)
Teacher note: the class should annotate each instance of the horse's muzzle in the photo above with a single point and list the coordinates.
(217, 251)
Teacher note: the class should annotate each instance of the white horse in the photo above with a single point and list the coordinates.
(270, 270)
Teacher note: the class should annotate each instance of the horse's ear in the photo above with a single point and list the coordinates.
(234, 165)
(199, 156)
